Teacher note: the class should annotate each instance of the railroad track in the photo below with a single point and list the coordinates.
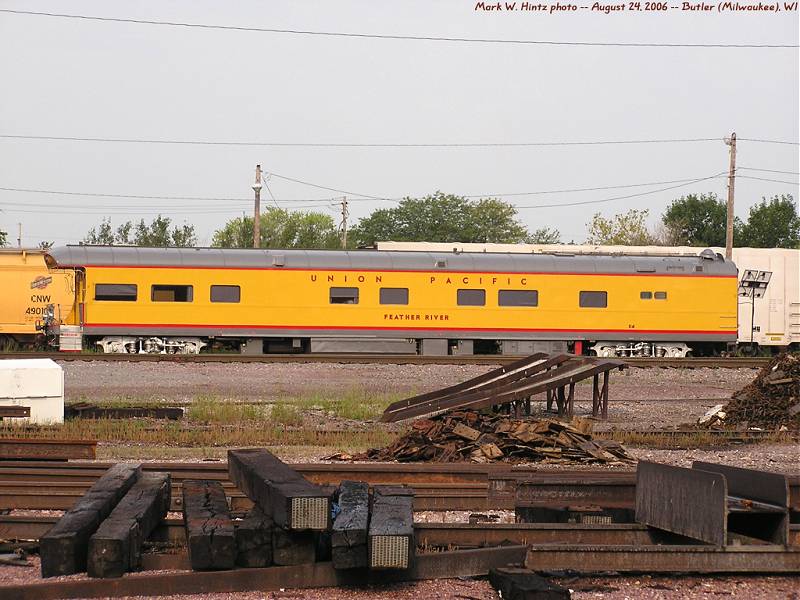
(41, 485)
(394, 359)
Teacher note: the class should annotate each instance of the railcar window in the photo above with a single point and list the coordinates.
(116, 292)
(593, 299)
(646, 295)
(225, 293)
(661, 295)
(171, 293)
(518, 298)
(471, 297)
(394, 296)
(344, 295)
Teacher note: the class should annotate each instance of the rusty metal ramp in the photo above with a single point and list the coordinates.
(512, 386)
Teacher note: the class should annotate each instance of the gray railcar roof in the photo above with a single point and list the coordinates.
(118, 256)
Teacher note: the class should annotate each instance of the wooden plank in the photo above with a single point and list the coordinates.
(291, 500)
(391, 528)
(515, 583)
(209, 528)
(116, 546)
(64, 547)
(254, 539)
(349, 539)
(42, 449)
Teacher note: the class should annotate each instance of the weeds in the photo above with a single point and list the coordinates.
(672, 440)
(286, 414)
(206, 409)
(354, 404)
(175, 434)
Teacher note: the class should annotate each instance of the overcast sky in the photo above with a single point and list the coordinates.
(68, 77)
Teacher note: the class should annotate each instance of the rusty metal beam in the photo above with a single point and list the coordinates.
(688, 502)
(664, 559)
(560, 493)
(459, 563)
(23, 448)
(463, 535)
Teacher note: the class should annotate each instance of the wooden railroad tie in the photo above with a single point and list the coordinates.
(292, 501)
(64, 548)
(391, 528)
(209, 528)
(350, 529)
(254, 539)
(521, 584)
(116, 546)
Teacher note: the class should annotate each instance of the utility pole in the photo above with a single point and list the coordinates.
(345, 214)
(257, 211)
(19, 236)
(731, 141)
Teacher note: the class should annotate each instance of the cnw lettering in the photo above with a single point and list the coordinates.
(39, 298)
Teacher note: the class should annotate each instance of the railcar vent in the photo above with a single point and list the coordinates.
(278, 260)
(441, 264)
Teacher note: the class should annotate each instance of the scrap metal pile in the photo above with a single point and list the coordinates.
(470, 436)
(771, 401)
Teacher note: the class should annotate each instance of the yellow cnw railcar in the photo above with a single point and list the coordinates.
(146, 299)
(27, 288)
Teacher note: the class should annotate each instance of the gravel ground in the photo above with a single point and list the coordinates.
(634, 404)
(270, 381)
(583, 588)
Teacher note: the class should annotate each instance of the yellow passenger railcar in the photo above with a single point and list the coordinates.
(27, 288)
(177, 300)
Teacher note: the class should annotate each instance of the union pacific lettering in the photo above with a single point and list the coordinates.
(452, 279)
(415, 317)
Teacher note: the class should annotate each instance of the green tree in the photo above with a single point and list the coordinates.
(102, 235)
(443, 218)
(696, 220)
(3, 238)
(156, 234)
(772, 223)
(545, 235)
(627, 229)
(280, 228)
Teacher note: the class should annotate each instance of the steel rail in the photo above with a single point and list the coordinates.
(458, 563)
(439, 486)
(428, 535)
(411, 359)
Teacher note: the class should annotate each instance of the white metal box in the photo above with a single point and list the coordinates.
(34, 382)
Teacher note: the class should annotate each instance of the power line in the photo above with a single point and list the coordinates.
(271, 195)
(416, 38)
(364, 198)
(330, 189)
(623, 197)
(188, 142)
(765, 179)
(770, 170)
(787, 142)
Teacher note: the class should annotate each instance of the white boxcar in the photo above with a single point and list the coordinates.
(777, 314)
(34, 382)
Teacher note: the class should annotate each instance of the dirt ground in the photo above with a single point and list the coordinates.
(637, 587)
